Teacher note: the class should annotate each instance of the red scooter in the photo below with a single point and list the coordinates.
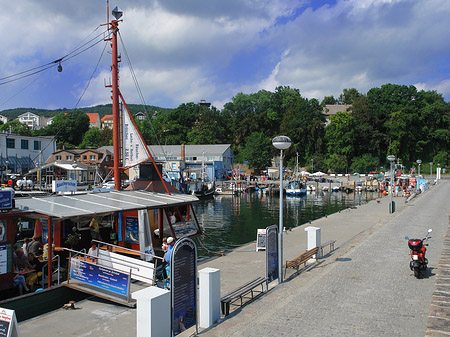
(418, 262)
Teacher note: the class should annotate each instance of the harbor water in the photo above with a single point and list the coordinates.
(229, 221)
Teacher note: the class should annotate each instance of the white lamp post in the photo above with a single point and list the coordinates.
(418, 161)
(281, 143)
(391, 159)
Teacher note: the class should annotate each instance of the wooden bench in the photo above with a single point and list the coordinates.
(328, 243)
(302, 259)
(241, 292)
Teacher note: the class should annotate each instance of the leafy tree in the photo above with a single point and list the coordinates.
(348, 96)
(68, 128)
(258, 151)
(329, 100)
(365, 164)
(340, 135)
(91, 138)
(337, 163)
(106, 137)
(17, 128)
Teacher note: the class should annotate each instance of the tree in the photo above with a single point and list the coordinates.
(67, 128)
(91, 138)
(16, 127)
(258, 151)
(329, 100)
(365, 163)
(340, 136)
(348, 96)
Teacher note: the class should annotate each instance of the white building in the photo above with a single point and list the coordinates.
(22, 153)
(3, 119)
(33, 121)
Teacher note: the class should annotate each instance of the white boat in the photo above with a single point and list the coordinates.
(224, 191)
(311, 188)
(296, 187)
(325, 188)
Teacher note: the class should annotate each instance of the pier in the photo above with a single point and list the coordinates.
(364, 287)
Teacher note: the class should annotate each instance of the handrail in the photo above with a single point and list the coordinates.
(100, 258)
(57, 257)
(131, 250)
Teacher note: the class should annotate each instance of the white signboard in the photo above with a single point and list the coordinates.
(8, 323)
(64, 185)
(134, 149)
(261, 239)
(3, 259)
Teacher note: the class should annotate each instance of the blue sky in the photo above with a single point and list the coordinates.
(185, 51)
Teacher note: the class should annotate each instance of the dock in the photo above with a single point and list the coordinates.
(364, 287)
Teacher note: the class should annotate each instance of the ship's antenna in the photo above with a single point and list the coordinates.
(107, 11)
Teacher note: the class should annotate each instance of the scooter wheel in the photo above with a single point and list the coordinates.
(417, 272)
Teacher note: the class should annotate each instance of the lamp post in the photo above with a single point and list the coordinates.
(431, 170)
(391, 159)
(418, 161)
(281, 143)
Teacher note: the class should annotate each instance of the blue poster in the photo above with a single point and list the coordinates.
(131, 229)
(272, 258)
(101, 277)
(6, 199)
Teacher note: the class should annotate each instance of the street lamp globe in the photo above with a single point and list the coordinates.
(281, 142)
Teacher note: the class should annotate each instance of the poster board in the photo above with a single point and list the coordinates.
(8, 323)
(5, 258)
(272, 258)
(261, 239)
(183, 288)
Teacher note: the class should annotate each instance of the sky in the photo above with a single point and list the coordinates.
(192, 50)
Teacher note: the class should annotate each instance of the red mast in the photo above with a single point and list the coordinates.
(114, 28)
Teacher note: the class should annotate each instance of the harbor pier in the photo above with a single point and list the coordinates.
(362, 288)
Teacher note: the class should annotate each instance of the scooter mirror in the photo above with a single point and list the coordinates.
(430, 230)
(406, 238)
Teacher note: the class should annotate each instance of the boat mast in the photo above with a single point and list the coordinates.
(114, 28)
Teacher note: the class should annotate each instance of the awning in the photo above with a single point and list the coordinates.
(68, 206)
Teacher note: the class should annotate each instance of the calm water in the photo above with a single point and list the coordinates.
(231, 221)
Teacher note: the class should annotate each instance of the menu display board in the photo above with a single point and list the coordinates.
(272, 253)
(101, 277)
(183, 271)
(261, 239)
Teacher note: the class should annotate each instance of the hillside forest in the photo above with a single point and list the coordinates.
(393, 119)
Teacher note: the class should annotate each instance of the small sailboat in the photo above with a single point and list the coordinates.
(296, 187)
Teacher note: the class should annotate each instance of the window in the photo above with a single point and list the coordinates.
(84, 157)
(69, 157)
(92, 157)
(174, 166)
(10, 143)
(24, 144)
(37, 144)
(58, 157)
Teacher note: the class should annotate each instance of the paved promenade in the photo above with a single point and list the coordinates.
(363, 288)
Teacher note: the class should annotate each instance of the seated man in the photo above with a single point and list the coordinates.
(37, 266)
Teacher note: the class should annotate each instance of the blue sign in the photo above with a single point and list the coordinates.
(183, 274)
(6, 199)
(272, 253)
(131, 229)
(101, 277)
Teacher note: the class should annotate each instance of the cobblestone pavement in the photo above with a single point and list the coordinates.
(366, 290)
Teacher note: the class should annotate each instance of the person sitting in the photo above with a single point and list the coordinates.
(171, 243)
(165, 245)
(37, 266)
(35, 246)
(20, 264)
(93, 251)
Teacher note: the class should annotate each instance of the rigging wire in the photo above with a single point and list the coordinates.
(55, 63)
(141, 96)
(92, 75)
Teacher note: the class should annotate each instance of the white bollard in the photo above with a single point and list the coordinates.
(314, 239)
(153, 312)
(209, 284)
